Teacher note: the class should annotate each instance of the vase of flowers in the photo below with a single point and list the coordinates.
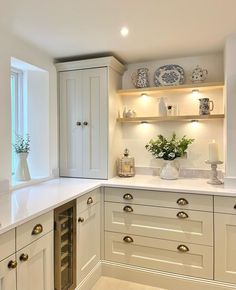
(169, 150)
(22, 148)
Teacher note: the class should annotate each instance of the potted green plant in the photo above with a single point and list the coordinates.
(169, 150)
(22, 149)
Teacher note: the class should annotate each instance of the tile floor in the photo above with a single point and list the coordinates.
(107, 283)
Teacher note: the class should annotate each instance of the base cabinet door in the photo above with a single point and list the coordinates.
(35, 265)
(225, 248)
(8, 274)
(88, 241)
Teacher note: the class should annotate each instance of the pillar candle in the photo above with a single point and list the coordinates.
(213, 151)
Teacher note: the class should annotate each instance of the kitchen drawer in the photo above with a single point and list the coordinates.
(160, 254)
(7, 244)
(224, 204)
(158, 198)
(89, 199)
(33, 230)
(165, 223)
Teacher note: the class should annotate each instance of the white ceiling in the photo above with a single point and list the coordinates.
(158, 28)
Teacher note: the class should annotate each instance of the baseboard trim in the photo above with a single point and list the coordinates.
(160, 279)
(91, 279)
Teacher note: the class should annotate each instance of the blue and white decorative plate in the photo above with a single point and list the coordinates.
(169, 75)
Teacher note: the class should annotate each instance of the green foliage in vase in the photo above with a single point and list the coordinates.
(168, 149)
(22, 144)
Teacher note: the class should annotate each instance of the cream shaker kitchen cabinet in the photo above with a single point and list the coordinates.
(88, 112)
(83, 123)
(225, 243)
(8, 263)
(35, 265)
(8, 273)
(88, 236)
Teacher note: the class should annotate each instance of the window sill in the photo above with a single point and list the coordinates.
(15, 184)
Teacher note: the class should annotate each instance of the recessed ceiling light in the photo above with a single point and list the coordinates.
(124, 31)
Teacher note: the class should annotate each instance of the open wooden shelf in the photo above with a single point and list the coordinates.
(170, 118)
(183, 88)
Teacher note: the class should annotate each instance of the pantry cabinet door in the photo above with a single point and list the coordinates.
(95, 109)
(71, 128)
(88, 241)
(7, 274)
(225, 254)
(35, 269)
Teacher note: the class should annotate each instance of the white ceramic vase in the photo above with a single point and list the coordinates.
(169, 170)
(22, 170)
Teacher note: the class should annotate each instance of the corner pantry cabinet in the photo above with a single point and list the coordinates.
(88, 112)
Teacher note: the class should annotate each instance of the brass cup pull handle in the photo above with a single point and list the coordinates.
(38, 229)
(128, 208)
(128, 196)
(128, 239)
(182, 201)
(89, 200)
(85, 123)
(182, 215)
(12, 264)
(183, 248)
(24, 257)
(78, 123)
(80, 219)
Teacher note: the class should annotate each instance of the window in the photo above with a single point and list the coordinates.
(18, 124)
(30, 115)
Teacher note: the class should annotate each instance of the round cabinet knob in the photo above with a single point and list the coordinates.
(182, 215)
(24, 257)
(38, 229)
(89, 200)
(128, 196)
(128, 239)
(85, 123)
(12, 264)
(78, 123)
(128, 208)
(183, 248)
(182, 201)
(80, 219)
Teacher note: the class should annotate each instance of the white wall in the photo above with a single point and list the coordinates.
(230, 104)
(11, 46)
(135, 136)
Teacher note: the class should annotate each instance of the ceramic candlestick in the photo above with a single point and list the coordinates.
(214, 179)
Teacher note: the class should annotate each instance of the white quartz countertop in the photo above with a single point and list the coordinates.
(21, 205)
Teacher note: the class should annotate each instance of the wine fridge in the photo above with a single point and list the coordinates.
(65, 247)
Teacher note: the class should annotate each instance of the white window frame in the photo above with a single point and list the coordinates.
(19, 126)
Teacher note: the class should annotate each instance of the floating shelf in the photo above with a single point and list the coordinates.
(183, 88)
(170, 118)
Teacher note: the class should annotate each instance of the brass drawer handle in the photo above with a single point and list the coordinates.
(24, 257)
(128, 208)
(12, 264)
(183, 248)
(128, 196)
(89, 200)
(80, 219)
(38, 229)
(128, 239)
(182, 215)
(182, 201)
